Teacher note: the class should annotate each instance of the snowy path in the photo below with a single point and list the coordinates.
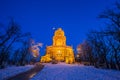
(64, 71)
(13, 70)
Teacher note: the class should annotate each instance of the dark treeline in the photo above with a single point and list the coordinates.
(102, 48)
(12, 37)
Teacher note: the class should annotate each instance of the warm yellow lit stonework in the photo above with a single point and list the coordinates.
(59, 51)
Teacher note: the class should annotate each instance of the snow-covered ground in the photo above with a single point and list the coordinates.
(13, 70)
(64, 71)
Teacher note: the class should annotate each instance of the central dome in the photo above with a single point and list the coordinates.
(59, 32)
(59, 38)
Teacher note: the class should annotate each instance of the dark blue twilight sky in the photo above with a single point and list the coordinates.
(76, 17)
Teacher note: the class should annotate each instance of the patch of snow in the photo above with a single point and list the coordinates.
(64, 71)
(13, 70)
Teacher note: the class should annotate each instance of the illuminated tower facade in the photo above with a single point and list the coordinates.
(59, 50)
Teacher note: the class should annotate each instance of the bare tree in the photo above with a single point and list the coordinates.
(9, 35)
(7, 38)
(99, 46)
(105, 44)
(86, 52)
(112, 17)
